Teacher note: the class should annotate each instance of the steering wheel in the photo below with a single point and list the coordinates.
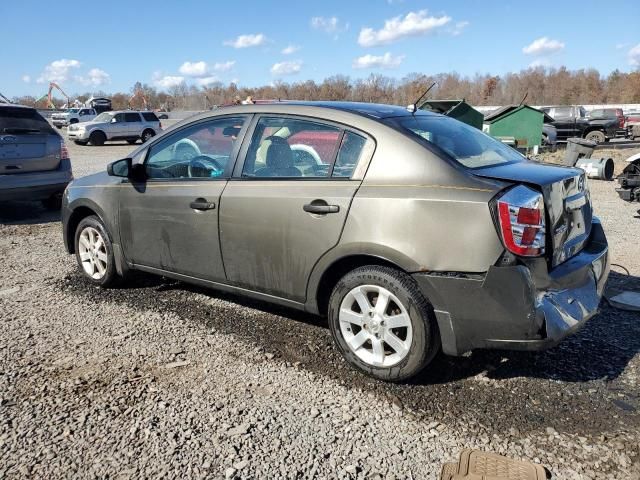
(202, 163)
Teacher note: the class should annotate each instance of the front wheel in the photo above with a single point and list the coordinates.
(97, 139)
(94, 252)
(382, 324)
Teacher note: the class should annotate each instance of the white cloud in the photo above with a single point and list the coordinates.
(224, 66)
(378, 61)
(634, 56)
(288, 50)
(194, 69)
(330, 25)
(286, 68)
(166, 81)
(204, 81)
(58, 71)
(26, 78)
(95, 77)
(245, 41)
(413, 24)
(543, 46)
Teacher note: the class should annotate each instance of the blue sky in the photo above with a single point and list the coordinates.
(162, 43)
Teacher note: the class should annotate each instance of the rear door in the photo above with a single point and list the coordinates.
(565, 122)
(27, 142)
(133, 124)
(287, 202)
(170, 221)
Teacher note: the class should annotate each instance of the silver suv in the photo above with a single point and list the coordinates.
(34, 161)
(117, 125)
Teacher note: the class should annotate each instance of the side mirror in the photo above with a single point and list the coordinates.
(114, 120)
(120, 168)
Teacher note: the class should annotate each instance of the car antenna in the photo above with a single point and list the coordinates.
(412, 107)
(523, 99)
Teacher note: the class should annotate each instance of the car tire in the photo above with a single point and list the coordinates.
(72, 121)
(94, 252)
(79, 142)
(366, 339)
(132, 141)
(53, 203)
(59, 127)
(147, 135)
(596, 136)
(97, 139)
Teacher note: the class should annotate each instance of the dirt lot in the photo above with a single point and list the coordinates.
(161, 379)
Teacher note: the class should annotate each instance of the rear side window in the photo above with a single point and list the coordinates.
(291, 147)
(132, 117)
(150, 116)
(23, 120)
(349, 154)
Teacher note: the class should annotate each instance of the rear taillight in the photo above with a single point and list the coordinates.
(64, 153)
(522, 223)
(621, 122)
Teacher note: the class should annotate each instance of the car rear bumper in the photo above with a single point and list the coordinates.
(37, 185)
(59, 122)
(519, 307)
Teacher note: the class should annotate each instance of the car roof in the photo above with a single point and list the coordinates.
(372, 110)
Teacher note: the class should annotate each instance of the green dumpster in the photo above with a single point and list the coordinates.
(522, 122)
(458, 109)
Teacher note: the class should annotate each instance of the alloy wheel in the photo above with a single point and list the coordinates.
(93, 253)
(375, 325)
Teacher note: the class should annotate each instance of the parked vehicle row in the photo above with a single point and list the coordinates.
(412, 232)
(126, 125)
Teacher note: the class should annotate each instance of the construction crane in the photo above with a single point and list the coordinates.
(53, 85)
(49, 95)
(138, 94)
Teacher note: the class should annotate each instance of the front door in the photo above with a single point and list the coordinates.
(287, 203)
(170, 221)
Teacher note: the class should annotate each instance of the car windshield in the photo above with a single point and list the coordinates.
(73, 110)
(104, 117)
(465, 144)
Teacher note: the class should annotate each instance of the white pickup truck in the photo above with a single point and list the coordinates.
(73, 115)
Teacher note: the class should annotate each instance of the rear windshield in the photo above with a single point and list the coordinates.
(465, 144)
(150, 116)
(18, 120)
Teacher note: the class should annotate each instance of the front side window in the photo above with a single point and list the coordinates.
(465, 144)
(564, 112)
(119, 118)
(202, 150)
(290, 147)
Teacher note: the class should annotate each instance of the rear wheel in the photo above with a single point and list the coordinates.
(94, 252)
(596, 136)
(97, 138)
(147, 135)
(132, 141)
(382, 324)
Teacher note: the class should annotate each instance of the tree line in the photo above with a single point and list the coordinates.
(553, 86)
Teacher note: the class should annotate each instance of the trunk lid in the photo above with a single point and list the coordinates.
(567, 202)
(26, 153)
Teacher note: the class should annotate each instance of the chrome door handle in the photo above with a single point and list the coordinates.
(320, 208)
(202, 204)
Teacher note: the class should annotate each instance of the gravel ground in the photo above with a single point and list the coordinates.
(161, 379)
